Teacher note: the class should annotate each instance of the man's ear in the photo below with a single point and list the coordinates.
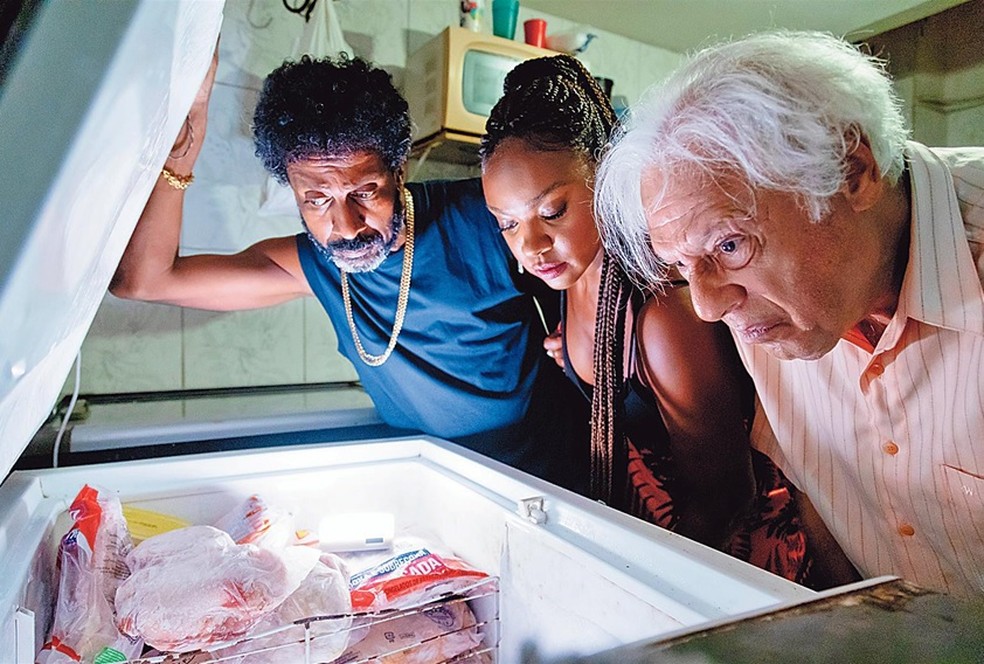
(399, 175)
(863, 182)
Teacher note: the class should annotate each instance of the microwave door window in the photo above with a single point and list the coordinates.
(482, 79)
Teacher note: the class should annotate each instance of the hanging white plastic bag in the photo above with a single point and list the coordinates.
(322, 37)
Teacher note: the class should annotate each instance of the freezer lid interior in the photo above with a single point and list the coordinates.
(90, 102)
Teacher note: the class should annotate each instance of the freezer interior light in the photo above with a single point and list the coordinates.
(356, 531)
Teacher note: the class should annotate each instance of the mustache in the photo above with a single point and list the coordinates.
(363, 253)
(372, 243)
(356, 243)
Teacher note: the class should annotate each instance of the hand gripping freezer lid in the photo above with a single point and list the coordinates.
(91, 95)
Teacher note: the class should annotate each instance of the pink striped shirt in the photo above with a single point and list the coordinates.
(890, 445)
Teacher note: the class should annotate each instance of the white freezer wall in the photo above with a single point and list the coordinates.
(588, 579)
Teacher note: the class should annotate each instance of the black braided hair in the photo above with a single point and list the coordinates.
(329, 106)
(554, 104)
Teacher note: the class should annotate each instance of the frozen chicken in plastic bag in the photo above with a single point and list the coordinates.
(324, 592)
(91, 565)
(253, 521)
(194, 587)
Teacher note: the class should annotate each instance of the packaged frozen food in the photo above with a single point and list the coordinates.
(432, 634)
(324, 596)
(194, 587)
(144, 524)
(253, 521)
(410, 578)
(91, 565)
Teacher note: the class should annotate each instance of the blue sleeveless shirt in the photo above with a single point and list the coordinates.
(469, 364)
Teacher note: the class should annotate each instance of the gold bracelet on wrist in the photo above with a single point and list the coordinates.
(180, 182)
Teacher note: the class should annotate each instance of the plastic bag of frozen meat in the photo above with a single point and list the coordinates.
(254, 521)
(324, 594)
(194, 587)
(91, 565)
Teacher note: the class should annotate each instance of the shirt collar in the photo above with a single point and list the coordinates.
(941, 286)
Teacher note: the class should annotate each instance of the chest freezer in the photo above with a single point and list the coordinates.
(574, 577)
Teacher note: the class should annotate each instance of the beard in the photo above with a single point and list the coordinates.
(363, 253)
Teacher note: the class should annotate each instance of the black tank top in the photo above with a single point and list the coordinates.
(643, 423)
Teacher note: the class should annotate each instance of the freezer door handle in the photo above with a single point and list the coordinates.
(532, 510)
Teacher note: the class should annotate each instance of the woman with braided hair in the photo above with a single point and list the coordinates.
(670, 402)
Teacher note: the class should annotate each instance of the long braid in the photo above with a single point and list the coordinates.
(609, 450)
(609, 454)
(555, 104)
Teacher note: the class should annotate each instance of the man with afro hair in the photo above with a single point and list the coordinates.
(424, 295)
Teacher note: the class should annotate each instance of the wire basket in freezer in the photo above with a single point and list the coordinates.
(462, 627)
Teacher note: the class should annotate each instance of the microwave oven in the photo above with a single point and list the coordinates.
(451, 84)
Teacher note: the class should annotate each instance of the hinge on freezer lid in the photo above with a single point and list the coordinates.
(23, 636)
(532, 510)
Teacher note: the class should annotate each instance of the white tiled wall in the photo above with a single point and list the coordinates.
(141, 347)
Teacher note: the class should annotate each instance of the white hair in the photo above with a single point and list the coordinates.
(780, 110)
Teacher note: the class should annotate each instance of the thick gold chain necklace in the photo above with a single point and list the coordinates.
(401, 300)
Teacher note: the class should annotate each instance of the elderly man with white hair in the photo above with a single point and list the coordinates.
(775, 174)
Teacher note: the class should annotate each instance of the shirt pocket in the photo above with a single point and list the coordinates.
(965, 511)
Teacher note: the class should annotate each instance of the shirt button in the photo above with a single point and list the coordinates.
(905, 530)
(877, 368)
(891, 448)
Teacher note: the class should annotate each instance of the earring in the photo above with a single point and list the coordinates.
(520, 266)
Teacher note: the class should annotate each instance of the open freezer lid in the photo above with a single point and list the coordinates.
(90, 100)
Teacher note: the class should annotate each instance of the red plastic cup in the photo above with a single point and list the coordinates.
(536, 31)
